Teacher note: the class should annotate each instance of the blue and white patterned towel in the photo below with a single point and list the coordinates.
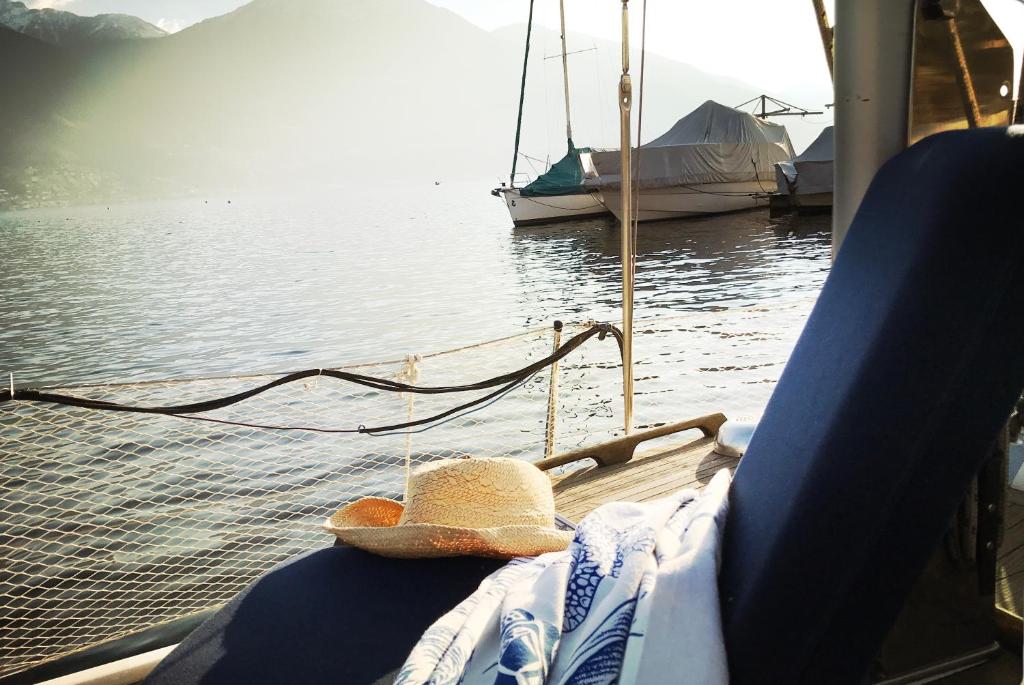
(633, 600)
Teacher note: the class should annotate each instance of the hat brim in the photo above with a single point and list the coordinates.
(425, 540)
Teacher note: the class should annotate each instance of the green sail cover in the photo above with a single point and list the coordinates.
(565, 177)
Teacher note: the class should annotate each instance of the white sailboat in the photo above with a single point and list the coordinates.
(715, 159)
(527, 210)
(558, 194)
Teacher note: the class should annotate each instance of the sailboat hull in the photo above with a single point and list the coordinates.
(677, 202)
(529, 211)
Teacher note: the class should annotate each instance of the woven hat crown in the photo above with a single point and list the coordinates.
(479, 493)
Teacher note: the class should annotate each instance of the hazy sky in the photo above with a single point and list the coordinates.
(774, 45)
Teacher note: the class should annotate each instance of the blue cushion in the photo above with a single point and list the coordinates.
(337, 615)
(907, 368)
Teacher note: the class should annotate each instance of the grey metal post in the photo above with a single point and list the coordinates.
(874, 45)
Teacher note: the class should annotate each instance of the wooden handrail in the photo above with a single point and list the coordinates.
(620, 450)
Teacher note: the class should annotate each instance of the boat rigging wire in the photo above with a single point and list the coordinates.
(533, 199)
(565, 77)
(379, 432)
(639, 140)
(505, 383)
(574, 52)
(757, 177)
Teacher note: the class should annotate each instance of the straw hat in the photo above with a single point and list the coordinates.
(458, 507)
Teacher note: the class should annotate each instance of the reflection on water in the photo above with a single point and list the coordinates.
(198, 287)
(702, 264)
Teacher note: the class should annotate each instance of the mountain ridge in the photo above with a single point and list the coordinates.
(67, 29)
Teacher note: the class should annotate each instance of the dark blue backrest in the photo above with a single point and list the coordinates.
(908, 366)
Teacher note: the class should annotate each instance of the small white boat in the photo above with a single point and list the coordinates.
(715, 159)
(558, 194)
(807, 179)
(527, 210)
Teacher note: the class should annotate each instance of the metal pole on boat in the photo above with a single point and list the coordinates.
(565, 75)
(826, 33)
(963, 74)
(522, 97)
(626, 164)
(872, 113)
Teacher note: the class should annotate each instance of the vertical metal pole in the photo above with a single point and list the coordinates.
(549, 433)
(963, 74)
(625, 105)
(565, 76)
(872, 92)
(826, 32)
(522, 97)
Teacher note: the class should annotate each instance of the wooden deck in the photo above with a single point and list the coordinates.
(647, 476)
(691, 464)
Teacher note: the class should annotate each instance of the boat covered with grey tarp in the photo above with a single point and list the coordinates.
(715, 159)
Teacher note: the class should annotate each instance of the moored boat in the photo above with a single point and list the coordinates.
(806, 181)
(715, 159)
(527, 210)
(558, 194)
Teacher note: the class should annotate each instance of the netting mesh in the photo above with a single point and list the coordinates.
(113, 523)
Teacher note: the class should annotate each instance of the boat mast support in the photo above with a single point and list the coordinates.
(872, 92)
(565, 76)
(963, 74)
(826, 33)
(522, 97)
(626, 164)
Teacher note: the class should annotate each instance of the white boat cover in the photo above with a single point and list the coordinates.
(711, 144)
(810, 173)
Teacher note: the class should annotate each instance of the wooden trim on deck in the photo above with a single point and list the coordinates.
(620, 450)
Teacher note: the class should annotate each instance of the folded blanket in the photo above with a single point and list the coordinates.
(633, 600)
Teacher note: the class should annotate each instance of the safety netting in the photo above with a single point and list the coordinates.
(112, 522)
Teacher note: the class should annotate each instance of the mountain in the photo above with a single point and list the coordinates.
(32, 76)
(167, 14)
(280, 94)
(64, 28)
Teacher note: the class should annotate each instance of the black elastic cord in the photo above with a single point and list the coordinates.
(507, 383)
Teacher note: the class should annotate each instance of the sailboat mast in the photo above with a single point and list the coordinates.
(826, 32)
(522, 96)
(626, 164)
(565, 76)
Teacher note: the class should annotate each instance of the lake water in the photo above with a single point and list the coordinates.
(222, 286)
(114, 523)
